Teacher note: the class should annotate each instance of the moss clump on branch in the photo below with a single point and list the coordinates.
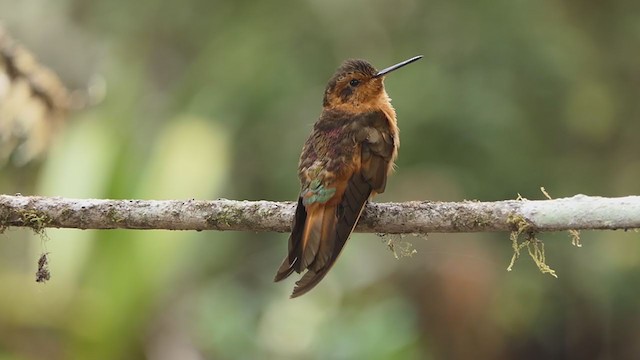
(398, 245)
(35, 220)
(534, 246)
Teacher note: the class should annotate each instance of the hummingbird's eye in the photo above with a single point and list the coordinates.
(354, 82)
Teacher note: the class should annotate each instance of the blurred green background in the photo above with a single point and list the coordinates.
(209, 99)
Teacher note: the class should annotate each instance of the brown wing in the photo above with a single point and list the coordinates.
(378, 150)
(376, 143)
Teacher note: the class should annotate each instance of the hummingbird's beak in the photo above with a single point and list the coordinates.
(397, 66)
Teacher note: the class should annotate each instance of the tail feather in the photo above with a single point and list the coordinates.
(308, 281)
(284, 270)
(311, 236)
(311, 239)
(328, 238)
(348, 212)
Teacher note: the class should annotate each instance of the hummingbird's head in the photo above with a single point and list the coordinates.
(358, 86)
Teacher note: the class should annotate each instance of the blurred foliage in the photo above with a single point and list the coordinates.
(209, 99)
(33, 103)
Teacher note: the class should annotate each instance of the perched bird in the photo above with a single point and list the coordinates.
(344, 162)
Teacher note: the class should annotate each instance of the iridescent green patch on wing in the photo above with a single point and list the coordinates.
(317, 193)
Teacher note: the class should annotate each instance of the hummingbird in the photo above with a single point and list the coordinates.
(344, 163)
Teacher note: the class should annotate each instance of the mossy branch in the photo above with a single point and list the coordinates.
(574, 213)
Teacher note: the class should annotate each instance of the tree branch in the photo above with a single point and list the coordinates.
(577, 212)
